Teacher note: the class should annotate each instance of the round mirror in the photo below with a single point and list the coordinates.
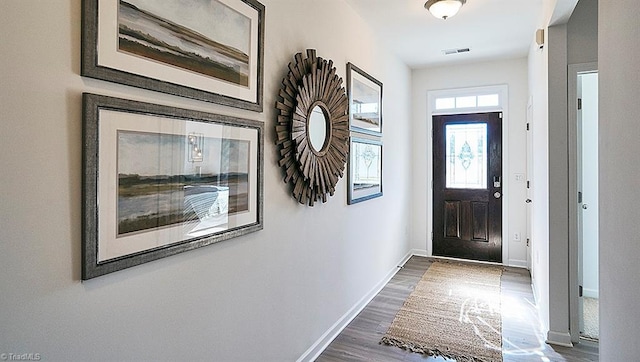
(317, 128)
(313, 128)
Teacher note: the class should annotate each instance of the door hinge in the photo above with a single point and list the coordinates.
(579, 103)
(528, 242)
(528, 184)
(432, 235)
(528, 126)
(580, 290)
(500, 115)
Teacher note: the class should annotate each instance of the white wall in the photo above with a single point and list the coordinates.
(558, 186)
(619, 85)
(571, 43)
(513, 73)
(538, 88)
(574, 41)
(267, 296)
(582, 33)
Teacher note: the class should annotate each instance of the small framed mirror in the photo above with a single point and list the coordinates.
(318, 129)
(312, 128)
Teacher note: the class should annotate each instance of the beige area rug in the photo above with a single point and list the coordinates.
(453, 312)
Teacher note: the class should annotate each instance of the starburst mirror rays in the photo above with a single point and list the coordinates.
(313, 128)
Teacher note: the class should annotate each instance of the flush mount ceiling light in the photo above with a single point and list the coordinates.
(444, 9)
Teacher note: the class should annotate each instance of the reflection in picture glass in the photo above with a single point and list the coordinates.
(365, 104)
(168, 179)
(366, 172)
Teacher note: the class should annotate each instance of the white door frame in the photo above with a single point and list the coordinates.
(529, 200)
(503, 92)
(574, 253)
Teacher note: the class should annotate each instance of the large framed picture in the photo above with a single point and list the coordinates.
(207, 50)
(365, 101)
(161, 180)
(365, 170)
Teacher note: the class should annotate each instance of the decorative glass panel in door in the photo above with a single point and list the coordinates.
(466, 156)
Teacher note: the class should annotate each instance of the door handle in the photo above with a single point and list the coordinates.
(528, 201)
(497, 194)
(585, 206)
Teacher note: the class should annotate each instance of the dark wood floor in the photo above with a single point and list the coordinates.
(522, 339)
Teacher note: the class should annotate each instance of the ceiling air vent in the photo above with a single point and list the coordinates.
(455, 51)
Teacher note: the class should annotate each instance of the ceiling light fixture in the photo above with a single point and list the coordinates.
(444, 9)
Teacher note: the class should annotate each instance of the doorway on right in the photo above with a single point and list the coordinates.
(587, 127)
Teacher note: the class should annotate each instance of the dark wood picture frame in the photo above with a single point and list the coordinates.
(167, 78)
(107, 180)
(364, 91)
(364, 187)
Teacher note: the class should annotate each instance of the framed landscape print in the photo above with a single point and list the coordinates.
(161, 180)
(365, 101)
(207, 50)
(365, 170)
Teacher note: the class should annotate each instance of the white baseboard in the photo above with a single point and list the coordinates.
(323, 342)
(590, 293)
(559, 338)
(536, 296)
(518, 263)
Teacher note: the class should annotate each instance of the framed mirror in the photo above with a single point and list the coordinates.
(312, 128)
(318, 129)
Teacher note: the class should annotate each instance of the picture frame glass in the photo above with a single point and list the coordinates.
(209, 50)
(167, 181)
(365, 170)
(365, 102)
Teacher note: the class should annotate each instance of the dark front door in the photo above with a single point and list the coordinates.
(467, 186)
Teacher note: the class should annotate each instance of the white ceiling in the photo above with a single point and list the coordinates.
(492, 29)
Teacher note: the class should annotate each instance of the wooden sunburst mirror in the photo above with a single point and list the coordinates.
(312, 128)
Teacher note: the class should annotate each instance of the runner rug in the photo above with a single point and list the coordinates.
(453, 312)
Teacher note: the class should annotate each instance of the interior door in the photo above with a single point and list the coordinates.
(467, 186)
(588, 204)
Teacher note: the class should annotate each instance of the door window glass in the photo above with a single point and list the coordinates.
(466, 156)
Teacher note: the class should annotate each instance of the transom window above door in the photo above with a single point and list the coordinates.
(490, 98)
(471, 101)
